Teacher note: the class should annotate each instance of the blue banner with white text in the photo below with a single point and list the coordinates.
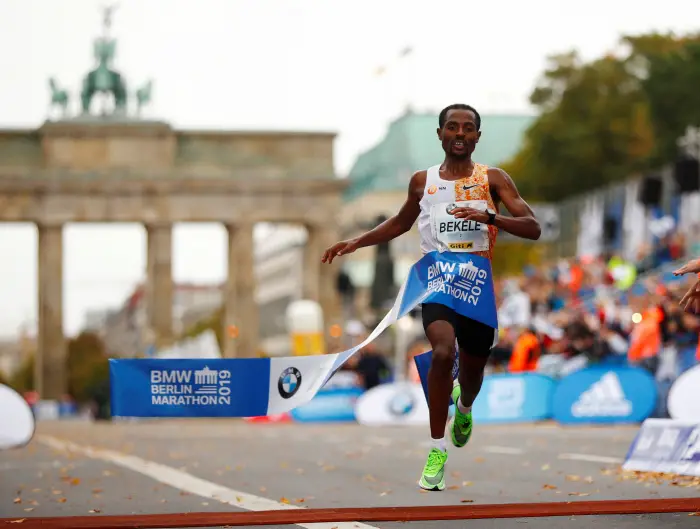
(249, 387)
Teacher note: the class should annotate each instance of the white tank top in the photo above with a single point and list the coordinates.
(441, 231)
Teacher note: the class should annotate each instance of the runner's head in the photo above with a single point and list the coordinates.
(458, 130)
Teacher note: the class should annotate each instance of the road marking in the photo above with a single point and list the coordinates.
(503, 450)
(590, 458)
(189, 483)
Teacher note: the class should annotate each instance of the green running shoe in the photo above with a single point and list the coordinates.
(461, 423)
(433, 477)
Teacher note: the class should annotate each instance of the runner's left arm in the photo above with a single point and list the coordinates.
(523, 223)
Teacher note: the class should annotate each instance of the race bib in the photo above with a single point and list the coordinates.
(459, 235)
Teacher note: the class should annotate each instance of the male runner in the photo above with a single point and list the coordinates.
(433, 192)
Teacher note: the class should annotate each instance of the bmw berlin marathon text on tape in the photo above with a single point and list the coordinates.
(189, 387)
(463, 281)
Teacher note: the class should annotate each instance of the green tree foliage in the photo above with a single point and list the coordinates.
(23, 379)
(87, 366)
(603, 121)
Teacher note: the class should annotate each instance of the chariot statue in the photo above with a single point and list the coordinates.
(104, 79)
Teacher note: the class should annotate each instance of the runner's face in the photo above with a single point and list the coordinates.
(459, 135)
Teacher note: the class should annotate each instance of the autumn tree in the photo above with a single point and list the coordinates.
(603, 121)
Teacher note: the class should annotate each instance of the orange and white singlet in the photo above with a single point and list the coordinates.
(441, 231)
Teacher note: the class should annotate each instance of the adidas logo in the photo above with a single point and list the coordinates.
(605, 397)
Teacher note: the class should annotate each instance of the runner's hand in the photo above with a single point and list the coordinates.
(339, 248)
(691, 267)
(470, 214)
(691, 301)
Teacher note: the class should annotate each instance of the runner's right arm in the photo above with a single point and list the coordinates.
(390, 228)
(401, 222)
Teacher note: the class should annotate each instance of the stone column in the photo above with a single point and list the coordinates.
(50, 363)
(159, 289)
(328, 277)
(311, 269)
(240, 306)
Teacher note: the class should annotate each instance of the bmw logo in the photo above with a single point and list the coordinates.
(289, 382)
(401, 404)
(450, 207)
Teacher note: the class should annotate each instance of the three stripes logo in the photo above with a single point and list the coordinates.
(605, 398)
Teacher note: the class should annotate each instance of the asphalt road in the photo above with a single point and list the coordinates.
(80, 468)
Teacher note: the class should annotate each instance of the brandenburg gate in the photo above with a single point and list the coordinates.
(119, 168)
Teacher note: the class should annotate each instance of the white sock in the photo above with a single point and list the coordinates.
(462, 408)
(440, 444)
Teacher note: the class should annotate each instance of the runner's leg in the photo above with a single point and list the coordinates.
(475, 340)
(439, 329)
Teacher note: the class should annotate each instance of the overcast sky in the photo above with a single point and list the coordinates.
(276, 64)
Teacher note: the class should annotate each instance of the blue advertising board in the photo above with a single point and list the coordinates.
(525, 397)
(666, 445)
(329, 405)
(605, 395)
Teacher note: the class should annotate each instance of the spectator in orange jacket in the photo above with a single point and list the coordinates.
(526, 353)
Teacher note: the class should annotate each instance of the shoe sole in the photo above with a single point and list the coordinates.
(433, 488)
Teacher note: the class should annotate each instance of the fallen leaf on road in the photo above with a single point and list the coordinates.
(284, 500)
(694, 514)
(300, 500)
(545, 467)
(453, 487)
(61, 500)
(456, 474)
(17, 500)
(75, 481)
(466, 501)
(479, 460)
(467, 483)
(369, 477)
(205, 503)
(549, 487)
(184, 493)
(239, 499)
(36, 490)
(21, 520)
(29, 509)
(56, 492)
(94, 511)
(573, 477)
(326, 468)
(423, 491)
(579, 493)
(263, 489)
(588, 479)
(96, 491)
(34, 502)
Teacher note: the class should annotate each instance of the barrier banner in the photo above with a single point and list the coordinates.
(329, 405)
(605, 395)
(503, 398)
(666, 445)
(245, 387)
(684, 396)
(393, 404)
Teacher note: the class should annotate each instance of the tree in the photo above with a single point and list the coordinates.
(87, 366)
(603, 121)
(669, 73)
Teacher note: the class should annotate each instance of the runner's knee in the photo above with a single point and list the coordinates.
(444, 354)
